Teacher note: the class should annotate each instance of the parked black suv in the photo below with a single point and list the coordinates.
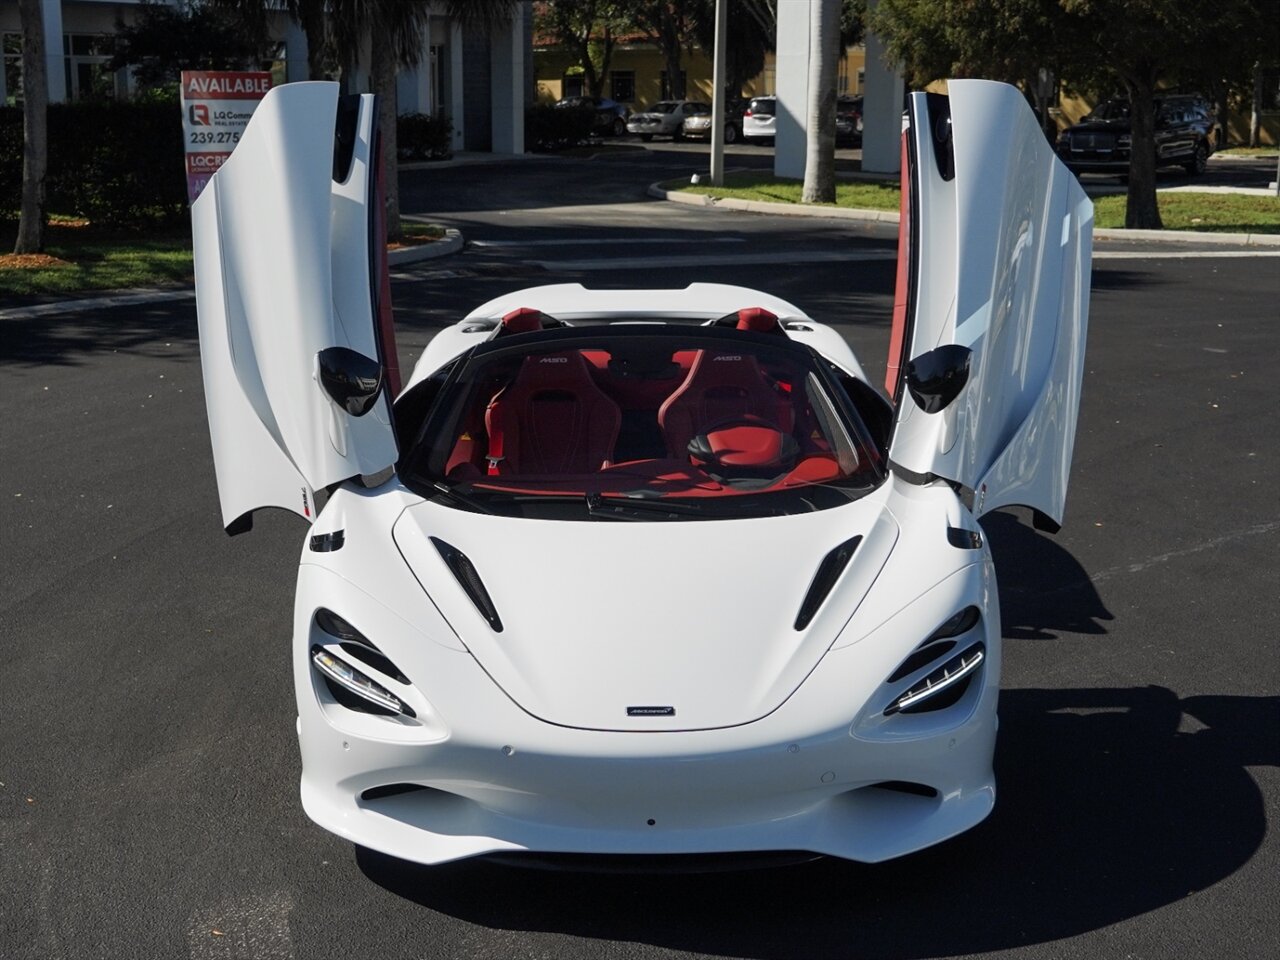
(1186, 135)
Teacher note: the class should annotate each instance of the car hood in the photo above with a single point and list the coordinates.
(599, 617)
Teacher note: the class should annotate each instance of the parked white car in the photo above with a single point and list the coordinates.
(758, 123)
(655, 571)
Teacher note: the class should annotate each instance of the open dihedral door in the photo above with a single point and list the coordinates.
(1000, 239)
(289, 263)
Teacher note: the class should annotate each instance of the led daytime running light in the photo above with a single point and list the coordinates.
(349, 678)
(949, 674)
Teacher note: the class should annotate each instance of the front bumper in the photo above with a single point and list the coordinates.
(496, 779)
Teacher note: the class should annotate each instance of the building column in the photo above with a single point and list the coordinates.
(791, 83)
(881, 111)
(506, 59)
(456, 105)
(55, 64)
(295, 53)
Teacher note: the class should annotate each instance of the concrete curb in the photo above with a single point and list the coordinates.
(777, 209)
(887, 216)
(451, 243)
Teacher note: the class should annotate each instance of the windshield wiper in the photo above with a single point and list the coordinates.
(460, 499)
(626, 507)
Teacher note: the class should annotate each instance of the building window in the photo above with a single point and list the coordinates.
(666, 85)
(622, 84)
(572, 87)
(11, 91)
(87, 76)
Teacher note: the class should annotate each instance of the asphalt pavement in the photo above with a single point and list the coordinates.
(148, 765)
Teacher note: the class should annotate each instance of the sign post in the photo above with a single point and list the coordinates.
(216, 107)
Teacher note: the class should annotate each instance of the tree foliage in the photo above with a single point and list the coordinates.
(1097, 46)
(162, 40)
(588, 30)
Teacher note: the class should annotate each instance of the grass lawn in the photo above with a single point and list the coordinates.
(753, 185)
(1248, 152)
(1213, 212)
(80, 256)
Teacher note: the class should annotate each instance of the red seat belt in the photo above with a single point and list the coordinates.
(495, 446)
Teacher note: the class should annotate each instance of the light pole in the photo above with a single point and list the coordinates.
(717, 94)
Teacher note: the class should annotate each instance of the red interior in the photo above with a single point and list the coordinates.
(599, 422)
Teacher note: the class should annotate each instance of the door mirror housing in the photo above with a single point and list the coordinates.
(936, 378)
(351, 379)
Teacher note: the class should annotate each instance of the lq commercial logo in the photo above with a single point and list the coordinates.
(216, 107)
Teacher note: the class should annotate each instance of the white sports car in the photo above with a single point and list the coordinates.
(656, 571)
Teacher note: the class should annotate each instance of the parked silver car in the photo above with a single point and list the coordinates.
(664, 119)
(697, 126)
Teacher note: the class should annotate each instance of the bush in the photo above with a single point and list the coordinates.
(423, 137)
(112, 163)
(554, 128)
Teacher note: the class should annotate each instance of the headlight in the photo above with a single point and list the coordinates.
(352, 680)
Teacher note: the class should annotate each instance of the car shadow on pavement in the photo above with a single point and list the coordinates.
(1113, 803)
(1058, 597)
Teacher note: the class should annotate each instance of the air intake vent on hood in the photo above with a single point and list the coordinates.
(829, 571)
(470, 582)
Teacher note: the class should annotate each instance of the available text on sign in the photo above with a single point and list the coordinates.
(216, 107)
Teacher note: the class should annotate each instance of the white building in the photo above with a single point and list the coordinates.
(482, 83)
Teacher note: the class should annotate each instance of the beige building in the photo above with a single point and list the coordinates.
(638, 76)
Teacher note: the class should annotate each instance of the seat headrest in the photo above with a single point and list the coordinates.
(522, 320)
(757, 319)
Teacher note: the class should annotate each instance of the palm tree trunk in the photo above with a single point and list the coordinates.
(35, 136)
(382, 77)
(820, 161)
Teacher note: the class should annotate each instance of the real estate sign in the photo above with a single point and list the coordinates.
(216, 107)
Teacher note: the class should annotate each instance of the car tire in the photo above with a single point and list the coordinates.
(1199, 160)
(619, 127)
(646, 137)
(730, 133)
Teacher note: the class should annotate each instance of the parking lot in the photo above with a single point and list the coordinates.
(148, 764)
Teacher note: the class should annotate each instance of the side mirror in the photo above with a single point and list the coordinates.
(351, 379)
(936, 378)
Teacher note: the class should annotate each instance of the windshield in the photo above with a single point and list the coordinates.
(666, 106)
(643, 422)
(1111, 110)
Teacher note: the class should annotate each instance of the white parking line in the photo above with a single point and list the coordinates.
(600, 241)
(718, 260)
(1180, 254)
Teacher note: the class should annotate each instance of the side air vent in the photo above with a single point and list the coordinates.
(829, 571)
(470, 582)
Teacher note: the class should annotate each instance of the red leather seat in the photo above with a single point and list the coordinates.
(721, 385)
(551, 419)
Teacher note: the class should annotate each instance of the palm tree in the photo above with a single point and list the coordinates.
(394, 30)
(35, 137)
(820, 161)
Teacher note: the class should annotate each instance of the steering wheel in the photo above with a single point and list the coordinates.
(748, 443)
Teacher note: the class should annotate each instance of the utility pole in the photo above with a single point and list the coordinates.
(717, 94)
